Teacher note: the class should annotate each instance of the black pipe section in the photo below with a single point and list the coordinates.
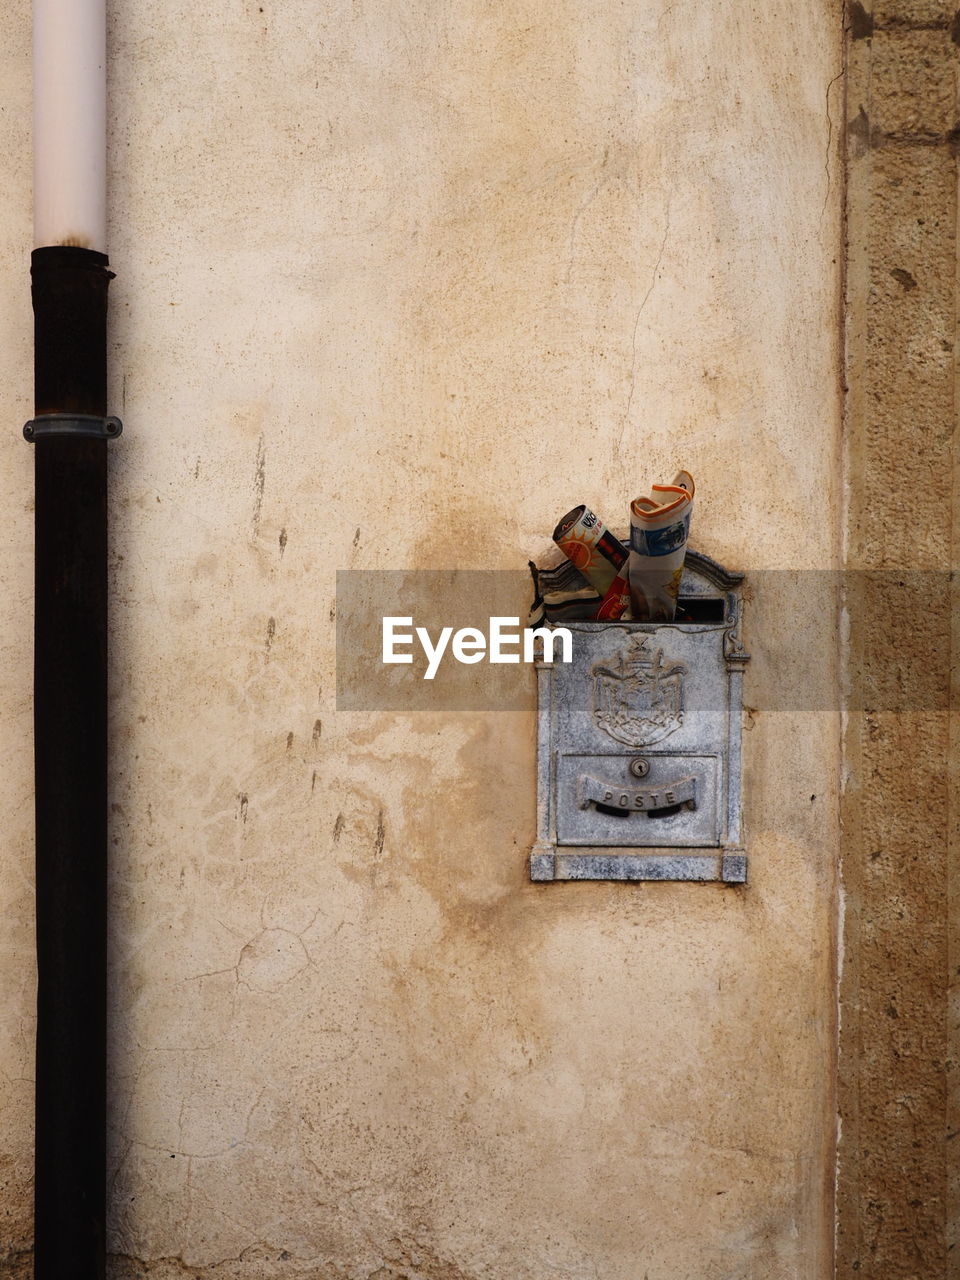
(70, 743)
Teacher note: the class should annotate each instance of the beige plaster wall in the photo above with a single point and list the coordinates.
(397, 285)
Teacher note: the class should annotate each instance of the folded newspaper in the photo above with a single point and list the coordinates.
(600, 579)
(659, 528)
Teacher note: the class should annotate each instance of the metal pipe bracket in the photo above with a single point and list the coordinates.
(72, 424)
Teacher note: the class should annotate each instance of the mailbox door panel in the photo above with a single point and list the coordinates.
(638, 686)
(673, 804)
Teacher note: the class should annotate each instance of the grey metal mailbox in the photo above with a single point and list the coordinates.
(638, 745)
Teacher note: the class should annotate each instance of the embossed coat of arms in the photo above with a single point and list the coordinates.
(638, 697)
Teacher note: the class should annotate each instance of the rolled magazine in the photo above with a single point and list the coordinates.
(604, 581)
(590, 547)
(659, 528)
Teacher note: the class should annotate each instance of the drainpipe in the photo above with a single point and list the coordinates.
(70, 432)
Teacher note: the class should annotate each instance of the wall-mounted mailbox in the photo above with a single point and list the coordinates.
(638, 745)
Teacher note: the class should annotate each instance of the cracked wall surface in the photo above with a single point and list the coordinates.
(396, 286)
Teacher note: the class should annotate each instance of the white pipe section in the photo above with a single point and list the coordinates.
(70, 123)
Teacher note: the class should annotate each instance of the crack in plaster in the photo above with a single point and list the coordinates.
(398, 1260)
(189, 1156)
(636, 329)
(584, 205)
(826, 161)
(177, 1261)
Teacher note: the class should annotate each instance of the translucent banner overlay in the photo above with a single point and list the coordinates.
(854, 640)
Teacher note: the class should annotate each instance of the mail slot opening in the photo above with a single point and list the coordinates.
(700, 609)
(611, 812)
(666, 812)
